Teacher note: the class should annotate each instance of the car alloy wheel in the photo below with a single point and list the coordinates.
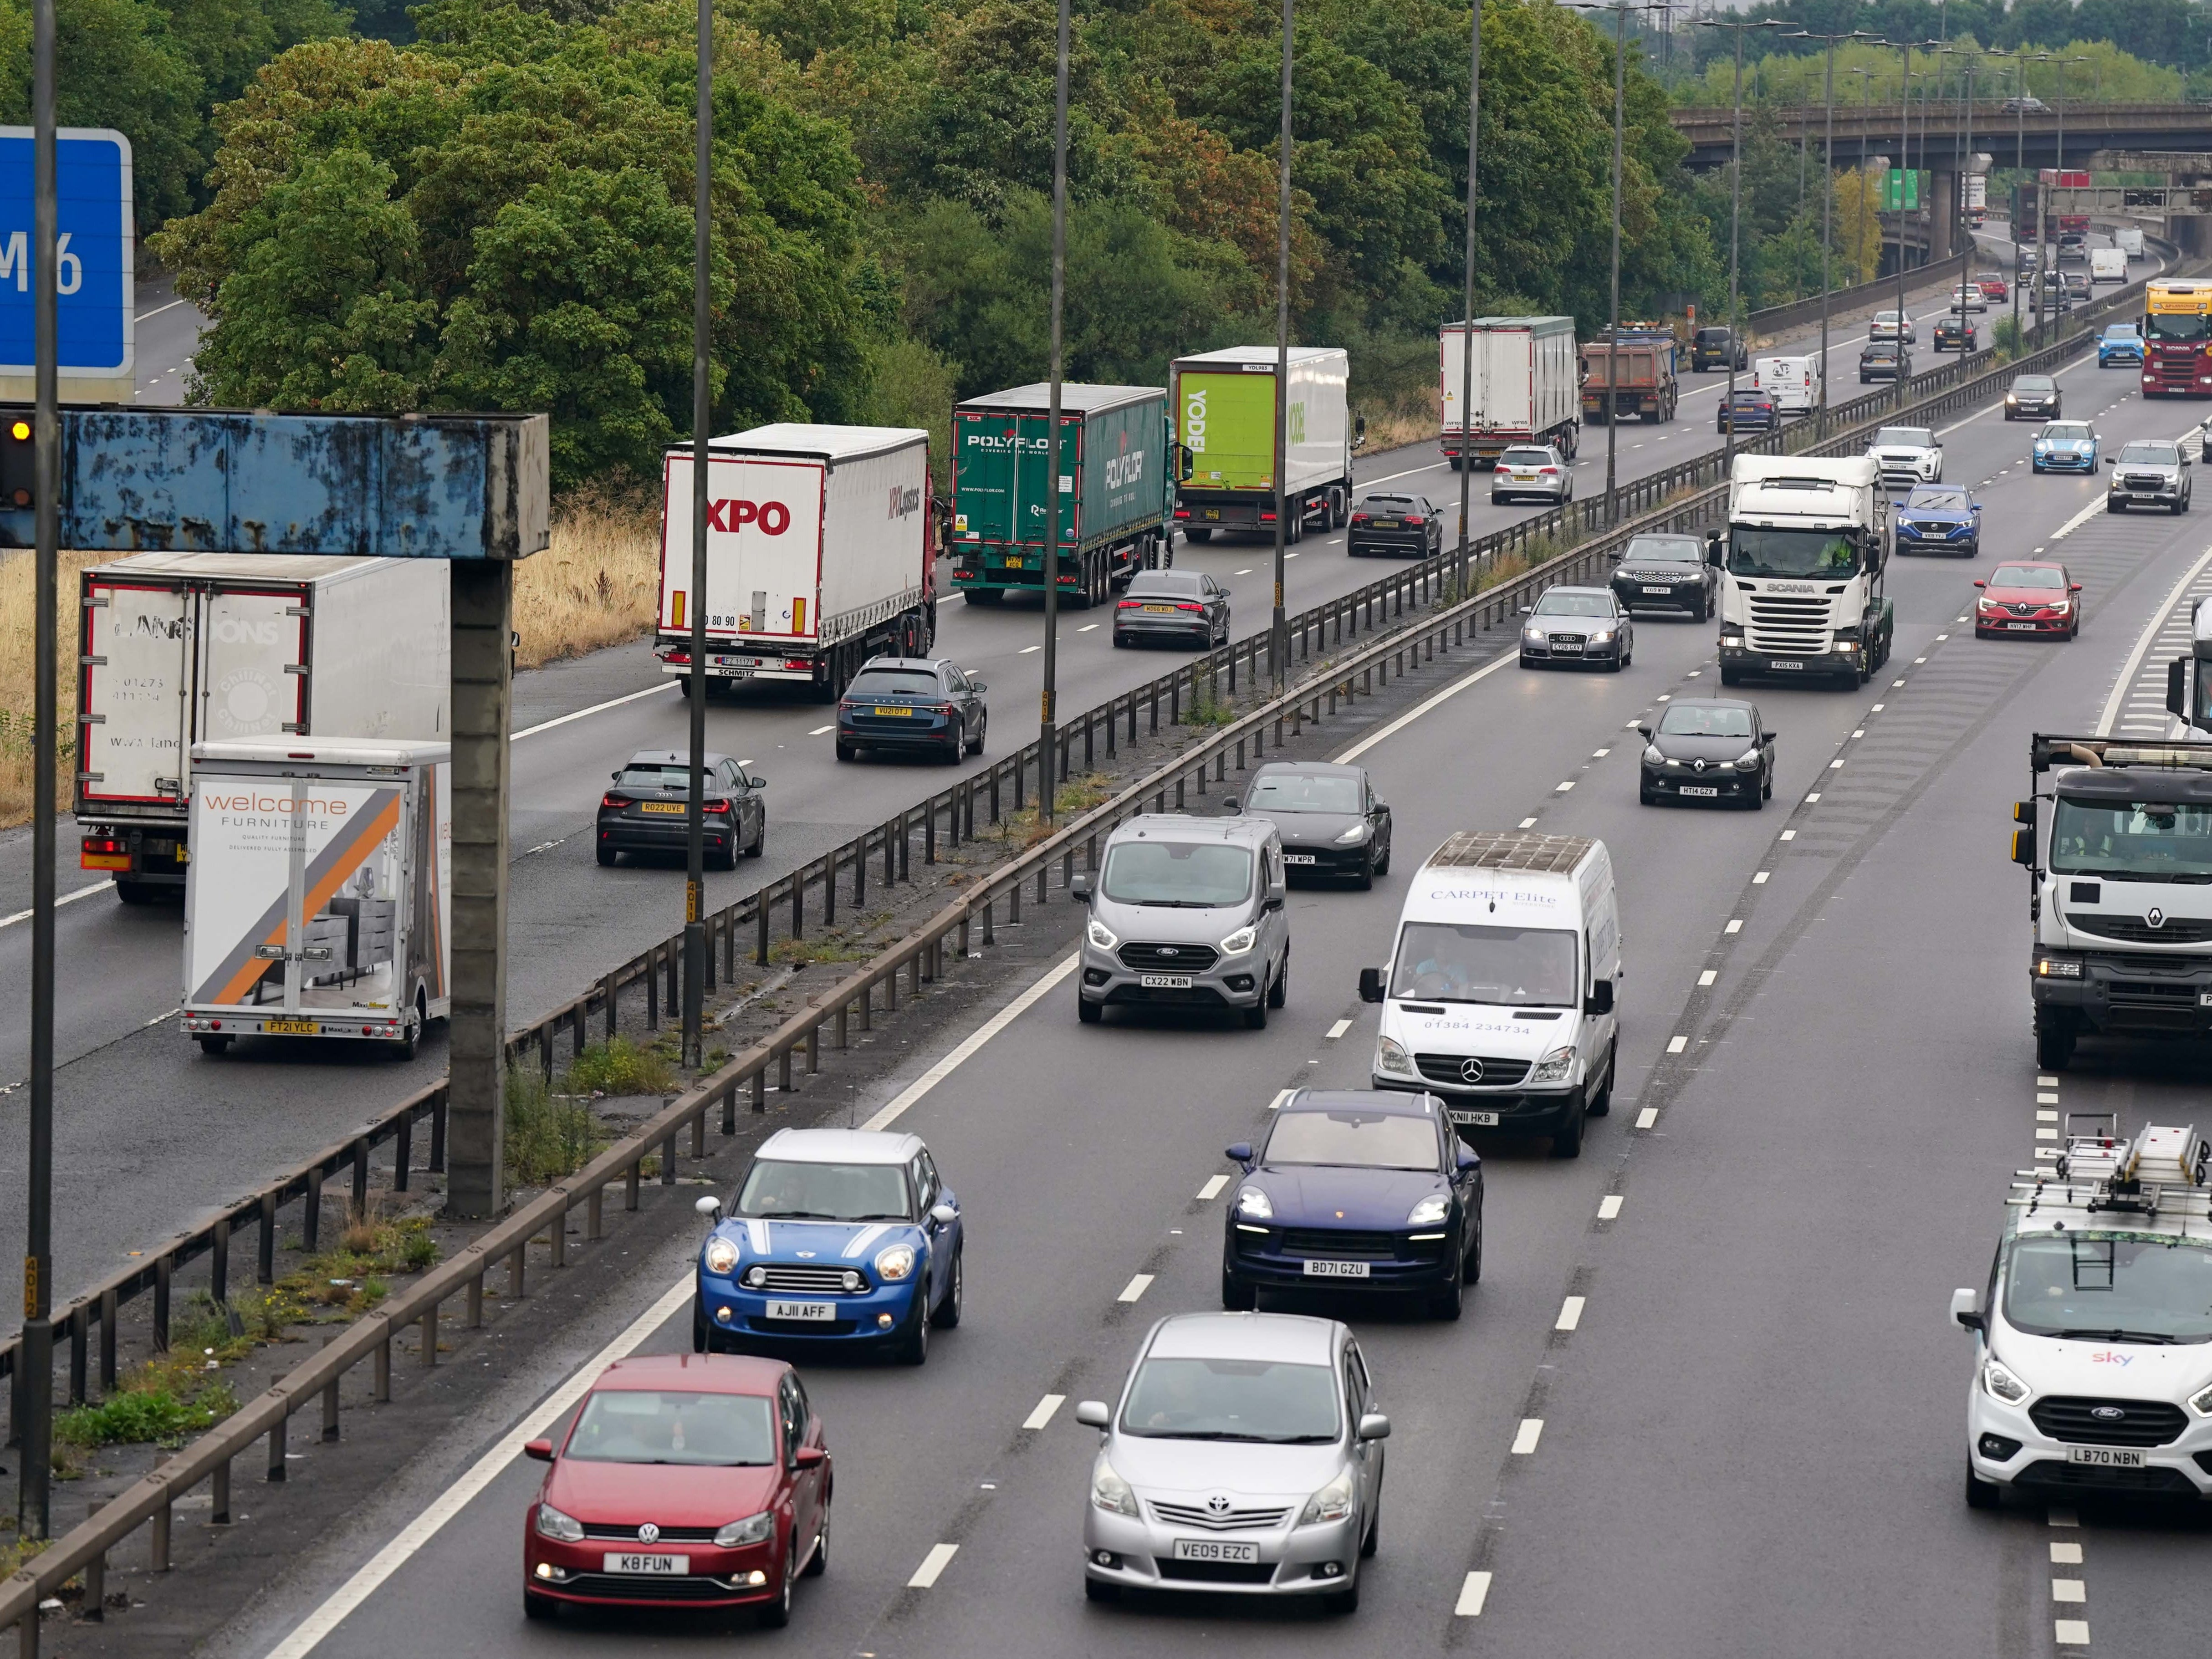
(948, 1310)
(818, 1563)
(777, 1613)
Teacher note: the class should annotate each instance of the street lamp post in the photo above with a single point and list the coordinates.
(1735, 221)
(1962, 220)
(695, 828)
(1048, 728)
(1905, 154)
(1828, 195)
(1279, 633)
(1467, 358)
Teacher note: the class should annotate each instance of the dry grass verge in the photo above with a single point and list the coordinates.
(18, 684)
(597, 584)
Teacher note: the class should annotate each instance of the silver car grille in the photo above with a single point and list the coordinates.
(2147, 480)
(820, 1281)
(1785, 623)
(1208, 1519)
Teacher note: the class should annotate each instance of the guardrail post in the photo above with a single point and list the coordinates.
(990, 935)
(891, 990)
(107, 1312)
(1175, 698)
(964, 948)
(26, 1636)
(730, 944)
(929, 832)
(798, 910)
(380, 1388)
(629, 1184)
(361, 1153)
(829, 889)
(439, 1103)
(330, 1409)
(277, 1451)
(218, 1499)
(906, 845)
(545, 1048)
(162, 1271)
(311, 1217)
(653, 979)
(760, 929)
(814, 1047)
(403, 1149)
(729, 1109)
(430, 1320)
(914, 973)
(699, 1134)
(79, 1318)
(95, 1588)
(595, 1212)
(760, 1090)
(517, 1269)
(783, 1086)
(218, 1263)
(607, 997)
(675, 993)
(668, 1160)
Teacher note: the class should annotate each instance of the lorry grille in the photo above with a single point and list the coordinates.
(2138, 930)
(1782, 621)
(2087, 1423)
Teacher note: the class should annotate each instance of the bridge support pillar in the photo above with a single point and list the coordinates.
(1944, 206)
(484, 610)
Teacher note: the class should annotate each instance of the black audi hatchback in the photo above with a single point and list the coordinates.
(644, 810)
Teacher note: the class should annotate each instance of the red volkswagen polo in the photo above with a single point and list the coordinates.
(2028, 597)
(686, 1479)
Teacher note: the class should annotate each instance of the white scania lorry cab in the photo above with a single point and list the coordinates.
(1801, 564)
(2119, 848)
(2092, 1338)
(1500, 996)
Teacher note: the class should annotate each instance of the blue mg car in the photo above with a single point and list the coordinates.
(836, 1237)
(1940, 518)
(2120, 343)
(2065, 447)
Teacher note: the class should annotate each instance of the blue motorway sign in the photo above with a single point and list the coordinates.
(95, 250)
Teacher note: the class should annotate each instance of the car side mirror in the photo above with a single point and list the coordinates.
(978, 686)
(1079, 889)
(1370, 985)
(1713, 547)
(1599, 1000)
(1274, 899)
(1374, 1426)
(2023, 847)
(1467, 1157)
(809, 1457)
(944, 1214)
(1238, 1152)
(1228, 803)
(1768, 735)
(2177, 688)
(710, 1206)
(754, 781)
(1092, 1413)
(1980, 582)
(540, 1449)
(614, 777)
(2074, 587)
(1966, 1309)
(1641, 730)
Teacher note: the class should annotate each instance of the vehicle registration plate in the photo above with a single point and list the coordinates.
(2205, 999)
(1336, 1270)
(2021, 627)
(650, 1565)
(1164, 982)
(670, 808)
(1524, 478)
(1471, 1120)
(1386, 524)
(813, 1310)
(1159, 610)
(1215, 1549)
(893, 714)
(2106, 1457)
(1650, 589)
(1705, 791)
(1212, 512)
(1298, 858)
(290, 1027)
(1785, 665)
(1013, 562)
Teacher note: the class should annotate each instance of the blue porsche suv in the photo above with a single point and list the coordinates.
(836, 1237)
(1355, 1189)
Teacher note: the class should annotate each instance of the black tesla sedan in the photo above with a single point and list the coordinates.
(1708, 749)
(1331, 822)
(644, 810)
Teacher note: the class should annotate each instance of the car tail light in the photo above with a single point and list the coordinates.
(1185, 604)
(612, 799)
(1361, 517)
(1415, 517)
(1129, 605)
(103, 844)
(1547, 471)
(944, 710)
(717, 808)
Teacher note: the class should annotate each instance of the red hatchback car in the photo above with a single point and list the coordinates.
(2028, 597)
(687, 1480)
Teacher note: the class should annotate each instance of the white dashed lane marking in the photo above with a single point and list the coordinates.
(1045, 1408)
(932, 1566)
(1570, 1314)
(1524, 1440)
(1339, 1029)
(1471, 1594)
(1608, 1206)
(1135, 1288)
(1211, 1190)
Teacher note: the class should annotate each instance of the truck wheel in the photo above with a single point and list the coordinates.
(1340, 508)
(136, 892)
(983, 595)
(214, 1045)
(2054, 1044)
(1199, 534)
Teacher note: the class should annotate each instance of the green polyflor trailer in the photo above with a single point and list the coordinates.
(1115, 490)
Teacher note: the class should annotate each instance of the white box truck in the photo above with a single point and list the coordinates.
(320, 901)
(1528, 386)
(1803, 552)
(180, 648)
(2108, 264)
(1794, 382)
(1224, 419)
(819, 553)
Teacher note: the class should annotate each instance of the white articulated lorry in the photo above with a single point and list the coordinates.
(181, 648)
(1802, 556)
(319, 903)
(1527, 387)
(820, 554)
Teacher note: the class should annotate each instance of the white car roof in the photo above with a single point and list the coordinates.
(839, 1146)
(1284, 1339)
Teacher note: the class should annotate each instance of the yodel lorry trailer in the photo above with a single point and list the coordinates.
(319, 903)
(1643, 355)
(1112, 481)
(1225, 413)
(1527, 387)
(181, 648)
(1803, 552)
(819, 554)
(2117, 844)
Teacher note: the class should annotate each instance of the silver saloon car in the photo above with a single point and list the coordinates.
(1244, 1457)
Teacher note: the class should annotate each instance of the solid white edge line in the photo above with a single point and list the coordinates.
(66, 898)
(1421, 708)
(310, 1631)
(141, 316)
(932, 1566)
(596, 708)
(960, 1056)
(2145, 640)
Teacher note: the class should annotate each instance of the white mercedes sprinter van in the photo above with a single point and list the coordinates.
(1500, 996)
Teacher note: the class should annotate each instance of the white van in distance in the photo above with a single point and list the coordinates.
(1499, 995)
(1794, 382)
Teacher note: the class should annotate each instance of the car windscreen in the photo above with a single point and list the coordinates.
(894, 682)
(1903, 437)
(1266, 1400)
(1189, 876)
(1526, 458)
(1472, 962)
(797, 1191)
(1386, 504)
(2146, 840)
(1941, 497)
(2152, 454)
(1757, 552)
(2026, 575)
(2067, 431)
(1160, 584)
(2122, 332)
(2036, 385)
(656, 777)
(1354, 1139)
(1556, 603)
(1688, 720)
(1663, 550)
(2110, 1287)
(649, 1425)
(1305, 792)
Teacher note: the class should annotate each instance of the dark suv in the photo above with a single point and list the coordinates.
(1709, 348)
(912, 703)
(1396, 524)
(1747, 411)
(1878, 361)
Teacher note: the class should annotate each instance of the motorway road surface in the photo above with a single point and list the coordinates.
(223, 1124)
(1749, 1441)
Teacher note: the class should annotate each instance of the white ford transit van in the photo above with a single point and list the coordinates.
(1500, 996)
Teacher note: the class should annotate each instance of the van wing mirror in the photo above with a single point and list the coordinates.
(2023, 847)
(1092, 1413)
(1713, 549)
(1599, 1000)
(2177, 688)
(1966, 1309)
(1079, 889)
(1370, 985)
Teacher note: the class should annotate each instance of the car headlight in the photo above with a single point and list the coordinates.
(2201, 1402)
(1601, 636)
(1554, 1066)
(1251, 1202)
(721, 1256)
(1390, 1056)
(2061, 605)
(1109, 1491)
(753, 1530)
(894, 1263)
(1988, 605)
(1100, 935)
(2001, 1383)
(1353, 837)
(1748, 761)
(551, 1523)
(1651, 755)
(1240, 941)
(1430, 1211)
(1532, 631)
(1331, 1503)
(2057, 968)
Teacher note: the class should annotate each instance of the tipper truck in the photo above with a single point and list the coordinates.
(2118, 849)
(1644, 353)
(320, 899)
(181, 648)
(1225, 413)
(1802, 556)
(819, 554)
(1526, 389)
(1114, 506)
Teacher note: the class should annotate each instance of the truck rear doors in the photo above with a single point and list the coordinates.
(137, 691)
(252, 680)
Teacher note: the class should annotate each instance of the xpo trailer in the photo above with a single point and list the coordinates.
(2118, 850)
(182, 648)
(1224, 412)
(319, 903)
(819, 554)
(1112, 481)
(1803, 553)
(1527, 387)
